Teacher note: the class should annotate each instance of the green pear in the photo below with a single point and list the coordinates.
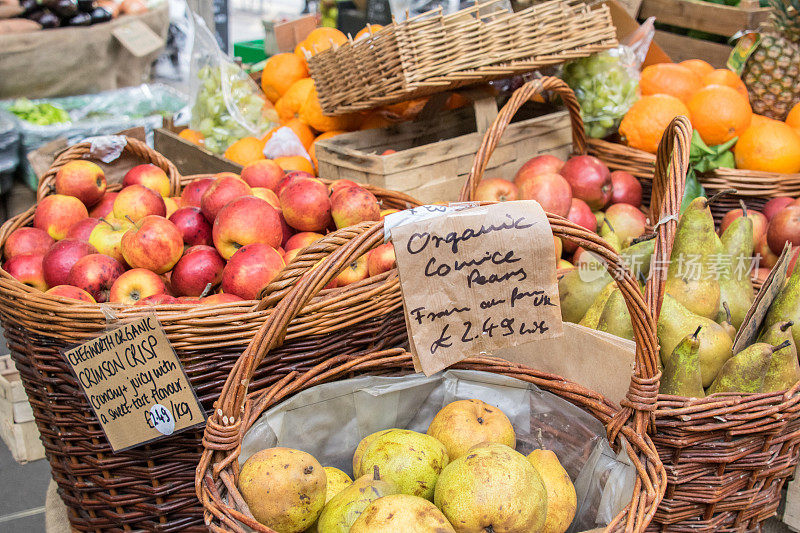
(676, 322)
(412, 461)
(784, 369)
(690, 277)
(681, 376)
(600, 218)
(786, 306)
(577, 291)
(607, 232)
(366, 441)
(337, 482)
(725, 320)
(492, 488)
(745, 371)
(639, 255)
(616, 318)
(734, 268)
(401, 513)
(592, 316)
(343, 510)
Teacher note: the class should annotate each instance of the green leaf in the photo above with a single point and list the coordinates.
(693, 190)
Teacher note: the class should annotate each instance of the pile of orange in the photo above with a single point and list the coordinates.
(716, 102)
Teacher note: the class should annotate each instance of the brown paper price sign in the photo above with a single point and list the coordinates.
(477, 280)
(135, 384)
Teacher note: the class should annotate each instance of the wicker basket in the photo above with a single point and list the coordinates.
(434, 52)
(151, 487)
(753, 187)
(242, 401)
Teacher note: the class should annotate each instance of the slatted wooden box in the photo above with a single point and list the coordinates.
(17, 426)
(434, 155)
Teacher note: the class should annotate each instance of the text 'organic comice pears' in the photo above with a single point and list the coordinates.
(691, 278)
(681, 376)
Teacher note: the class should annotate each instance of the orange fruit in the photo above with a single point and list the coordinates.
(302, 131)
(792, 119)
(407, 110)
(698, 66)
(760, 119)
(646, 120)
(456, 101)
(769, 146)
(288, 106)
(366, 30)
(321, 39)
(719, 113)
(193, 136)
(311, 113)
(295, 162)
(280, 72)
(322, 136)
(723, 76)
(245, 151)
(669, 78)
(375, 120)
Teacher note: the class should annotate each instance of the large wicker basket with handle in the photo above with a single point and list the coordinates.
(151, 487)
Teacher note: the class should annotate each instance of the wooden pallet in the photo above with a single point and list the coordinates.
(17, 426)
(701, 16)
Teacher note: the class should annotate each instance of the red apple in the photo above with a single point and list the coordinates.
(244, 221)
(298, 241)
(268, 195)
(199, 266)
(625, 189)
(772, 207)
(291, 177)
(766, 257)
(105, 207)
(351, 205)
(286, 229)
(193, 193)
(356, 271)
(551, 190)
(381, 259)
(759, 222)
(628, 221)
(188, 300)
(60, 258)
(82, 229)
(250, 270)
(496, 190)
(73, 293)
(149, 176)
(96, 274)
(136, 202)
(341, 184)
(27, 240)
(222, 192)
(106, 237)
(82, 179)
(194, 227)
(28, 270)
(289, 256)
(784, 227)
(590, 180)
(581, 214)
(389, 152)
(305, 204)
(56, 213)
(135, 284)
(221, 298)
(265, 173)
(541, 164)
(157, 299)
(153, 243)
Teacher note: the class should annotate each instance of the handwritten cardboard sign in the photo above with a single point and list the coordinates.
(477, 280)
(138, 38)
(135, 384)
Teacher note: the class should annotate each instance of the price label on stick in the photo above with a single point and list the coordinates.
(135, 384)
(477, 280)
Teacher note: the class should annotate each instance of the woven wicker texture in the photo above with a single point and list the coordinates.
(433, 52)
(150, 488)
(241, 403)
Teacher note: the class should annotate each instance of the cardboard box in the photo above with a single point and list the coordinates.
(17, 426)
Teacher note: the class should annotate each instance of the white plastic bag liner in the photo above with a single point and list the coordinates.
(284, 143)
(329, 420)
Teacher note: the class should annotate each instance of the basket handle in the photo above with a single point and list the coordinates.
(669, 183)
(520, 97)
(133, 147)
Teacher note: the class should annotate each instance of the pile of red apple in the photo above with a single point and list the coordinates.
(583, 190)
(222, 240)
(776, 225)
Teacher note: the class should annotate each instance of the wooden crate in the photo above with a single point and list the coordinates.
(435, 153)
(17, 426)
(701, 16)
(188, 157)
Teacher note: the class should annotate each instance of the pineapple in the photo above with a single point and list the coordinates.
(772, 74)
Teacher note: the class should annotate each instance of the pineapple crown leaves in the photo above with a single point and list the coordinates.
(785, 17)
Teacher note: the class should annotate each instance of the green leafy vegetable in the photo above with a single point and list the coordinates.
(41, 114)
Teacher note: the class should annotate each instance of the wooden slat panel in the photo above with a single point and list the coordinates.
(680, 48)
(703, 16)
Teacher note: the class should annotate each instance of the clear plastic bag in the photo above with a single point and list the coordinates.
(328, 421)
(227, 103)
(606, 84)
(284, 143)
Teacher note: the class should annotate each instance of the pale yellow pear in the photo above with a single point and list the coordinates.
(401, 513)
(562, 502)
(462, 424)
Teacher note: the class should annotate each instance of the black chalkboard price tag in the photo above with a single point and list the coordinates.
(135, 384)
